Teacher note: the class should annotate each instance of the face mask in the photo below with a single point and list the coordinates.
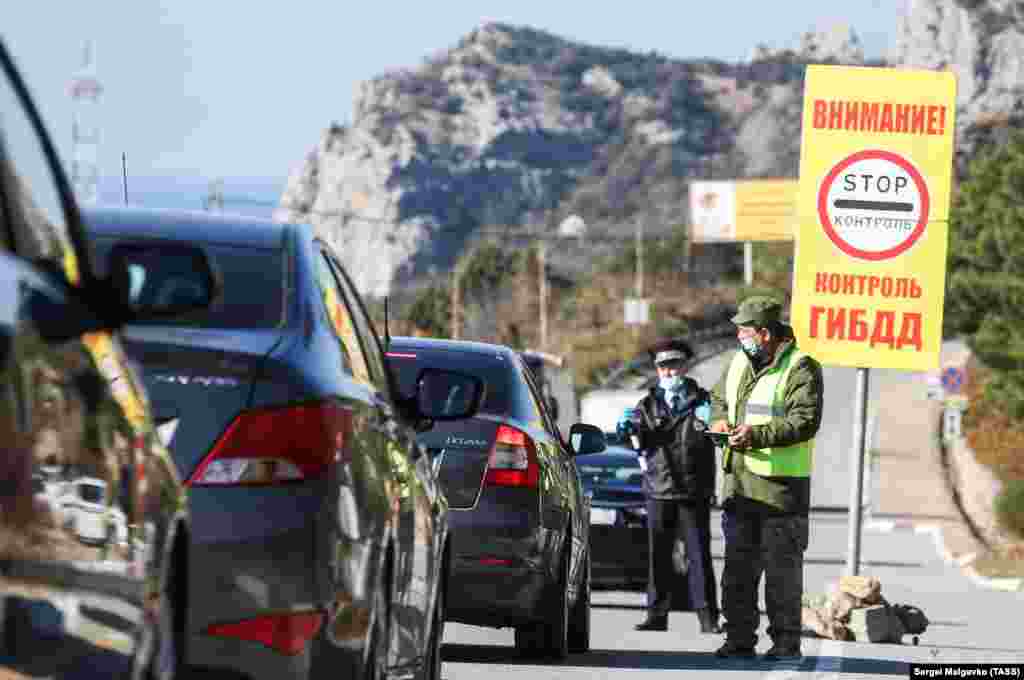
(672, 383)
(751, 347)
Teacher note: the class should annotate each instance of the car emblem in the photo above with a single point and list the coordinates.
(465, 443)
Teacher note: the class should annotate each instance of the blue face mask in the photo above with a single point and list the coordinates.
(751, 347)
(672, 383)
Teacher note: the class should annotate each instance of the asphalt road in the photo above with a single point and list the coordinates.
(968, 624)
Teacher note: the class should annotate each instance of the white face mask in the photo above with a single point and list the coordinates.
(671, 383)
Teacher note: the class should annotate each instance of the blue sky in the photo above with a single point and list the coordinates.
(208, 88)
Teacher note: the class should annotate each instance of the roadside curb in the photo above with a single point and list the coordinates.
(962, 562)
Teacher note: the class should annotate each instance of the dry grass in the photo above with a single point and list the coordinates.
(996, 439)
(1007, 562)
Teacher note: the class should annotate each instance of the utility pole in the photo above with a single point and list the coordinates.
(86, 99)
(542, 274)
(639, 258)
(456, 295)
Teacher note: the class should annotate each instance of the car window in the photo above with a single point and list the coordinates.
(341, 321)
(371, 346)
(33, 205)
(535, 404)
(406, 363)
(252, 285)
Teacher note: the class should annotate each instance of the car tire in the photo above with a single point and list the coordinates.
(432, 668)
(550, 638)
(579, 616)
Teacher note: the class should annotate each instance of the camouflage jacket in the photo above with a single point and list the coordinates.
(804, 400)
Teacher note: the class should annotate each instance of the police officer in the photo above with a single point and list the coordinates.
(769, 400)
(669, 431)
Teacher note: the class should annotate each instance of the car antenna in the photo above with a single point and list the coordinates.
(124, 176)
(387, 331)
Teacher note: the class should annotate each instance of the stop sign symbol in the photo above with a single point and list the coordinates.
(873, 205)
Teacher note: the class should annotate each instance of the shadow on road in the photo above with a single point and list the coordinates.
(641, 660)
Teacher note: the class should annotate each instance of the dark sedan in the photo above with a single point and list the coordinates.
(319, 538)
(618, 522)
(519, 519)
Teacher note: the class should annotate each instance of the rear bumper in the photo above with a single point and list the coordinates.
(500, 568)
(256, 557)
(618, 556)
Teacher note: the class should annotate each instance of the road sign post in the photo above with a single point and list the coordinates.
(872, 212)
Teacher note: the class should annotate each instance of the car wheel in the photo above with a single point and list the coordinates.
(579, 618)
(432, 670)
(550, 638)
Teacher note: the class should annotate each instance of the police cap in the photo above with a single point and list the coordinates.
(670, 350)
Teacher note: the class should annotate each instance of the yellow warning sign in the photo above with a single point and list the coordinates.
(872, 215)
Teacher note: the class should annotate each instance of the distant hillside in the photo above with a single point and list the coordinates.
(518, 128)
(515, 128)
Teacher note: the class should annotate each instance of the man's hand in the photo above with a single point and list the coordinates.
(741, 437)
(719, 426)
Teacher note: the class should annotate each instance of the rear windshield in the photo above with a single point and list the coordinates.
(252, 287)
(492, 369)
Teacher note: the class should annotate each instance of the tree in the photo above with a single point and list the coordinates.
(985, 277)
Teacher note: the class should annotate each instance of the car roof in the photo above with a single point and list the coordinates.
(445, 345)
(184, 225)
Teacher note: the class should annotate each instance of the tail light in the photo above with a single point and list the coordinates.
(513, 460)
(274, 446)
(284, 633)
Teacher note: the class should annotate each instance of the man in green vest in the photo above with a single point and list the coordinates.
(769, 401)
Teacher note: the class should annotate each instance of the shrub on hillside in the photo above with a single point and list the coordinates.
(1009, 507)
(985, 279)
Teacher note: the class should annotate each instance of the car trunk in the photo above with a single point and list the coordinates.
(464, 447)
(198, 380)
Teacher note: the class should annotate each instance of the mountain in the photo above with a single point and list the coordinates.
(982, 41)
(516, 130)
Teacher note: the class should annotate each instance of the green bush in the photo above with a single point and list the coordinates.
(431, 311)
(985, 277)
(1009, 506)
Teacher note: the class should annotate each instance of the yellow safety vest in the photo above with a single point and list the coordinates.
(767, 401)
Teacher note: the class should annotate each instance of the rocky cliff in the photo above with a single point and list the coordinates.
(982, 41)
(518, 129)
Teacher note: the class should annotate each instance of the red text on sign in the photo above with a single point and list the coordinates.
(855, 325)
(864, 284)
(910, 119)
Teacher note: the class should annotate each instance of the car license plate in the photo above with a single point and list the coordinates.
(602, 516)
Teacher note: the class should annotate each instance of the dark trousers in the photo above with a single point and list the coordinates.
(668, 521)
(759, 539)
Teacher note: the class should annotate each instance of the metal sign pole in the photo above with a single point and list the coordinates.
(860, 428)
(748, 263)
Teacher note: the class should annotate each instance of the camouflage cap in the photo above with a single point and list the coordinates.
(759, 310)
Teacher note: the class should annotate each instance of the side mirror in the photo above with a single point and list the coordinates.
(154, 280)
(447, 395)
(586, 439)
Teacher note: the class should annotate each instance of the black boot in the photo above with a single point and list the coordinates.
(731, 650)
(787, 651)
(708, 621)
(653, 623)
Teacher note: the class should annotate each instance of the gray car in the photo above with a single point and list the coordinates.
(319, 541)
